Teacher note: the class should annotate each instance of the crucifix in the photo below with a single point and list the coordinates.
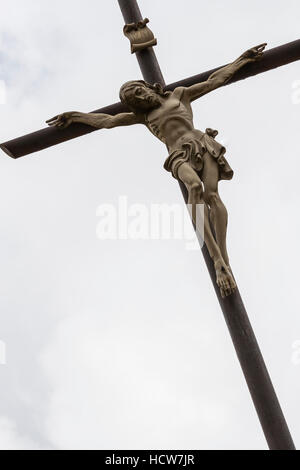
(197, 160)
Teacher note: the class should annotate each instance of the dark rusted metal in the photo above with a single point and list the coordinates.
(272, 58)
(259, 383)
(48, 137)
(147, 59)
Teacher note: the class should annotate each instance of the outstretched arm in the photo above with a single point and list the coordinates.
(221, 76)
(100, 121)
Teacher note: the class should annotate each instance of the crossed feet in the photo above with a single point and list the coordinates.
(225, 278)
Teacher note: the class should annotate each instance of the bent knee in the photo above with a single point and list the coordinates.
(211, 197)
(196, 187)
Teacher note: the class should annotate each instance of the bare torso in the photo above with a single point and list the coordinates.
(172, 122)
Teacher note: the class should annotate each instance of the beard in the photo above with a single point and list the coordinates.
(153, 101)
(149, 102)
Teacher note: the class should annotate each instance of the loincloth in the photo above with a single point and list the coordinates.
(193, 151)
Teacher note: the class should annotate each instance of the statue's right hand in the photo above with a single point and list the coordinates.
(62, 120)
(255, 53)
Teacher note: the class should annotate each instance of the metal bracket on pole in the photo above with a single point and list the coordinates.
(139, 35)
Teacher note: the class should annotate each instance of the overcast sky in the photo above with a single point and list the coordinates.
(121, 344)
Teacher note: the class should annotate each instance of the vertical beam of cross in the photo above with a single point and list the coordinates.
(258, 380)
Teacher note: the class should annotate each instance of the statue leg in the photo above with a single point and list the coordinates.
(218, 212)
(195, 191)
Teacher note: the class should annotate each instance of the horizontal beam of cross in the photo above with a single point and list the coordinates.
(47, 137)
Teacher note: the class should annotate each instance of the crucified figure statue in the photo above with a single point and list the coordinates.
(195, 157)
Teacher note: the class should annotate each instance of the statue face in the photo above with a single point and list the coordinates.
(142, 98)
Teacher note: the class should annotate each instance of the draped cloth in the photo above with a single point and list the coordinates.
(192, 151)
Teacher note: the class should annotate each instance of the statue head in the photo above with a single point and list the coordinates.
(140, 96)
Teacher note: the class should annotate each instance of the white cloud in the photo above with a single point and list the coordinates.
(118, 386)
(11, 439)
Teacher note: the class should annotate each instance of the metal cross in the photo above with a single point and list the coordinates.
(258, 380)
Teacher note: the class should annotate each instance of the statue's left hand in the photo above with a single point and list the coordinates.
(255, 53)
